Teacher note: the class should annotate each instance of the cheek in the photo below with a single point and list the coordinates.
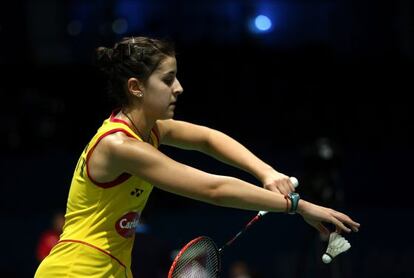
(163, 96)
(158, 95)
(159, 100)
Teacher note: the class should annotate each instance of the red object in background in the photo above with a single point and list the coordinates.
(50, 237)
(46, 242)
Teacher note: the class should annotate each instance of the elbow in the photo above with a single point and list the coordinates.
(218, 193)
(214, 197)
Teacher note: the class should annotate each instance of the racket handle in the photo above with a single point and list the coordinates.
(295, 184)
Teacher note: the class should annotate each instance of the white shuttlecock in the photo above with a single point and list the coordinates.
(337, 245)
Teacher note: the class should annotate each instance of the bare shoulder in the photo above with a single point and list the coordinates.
(127, 154)
(104, 161)
(118, 147)
(120, 143)
(114, 140)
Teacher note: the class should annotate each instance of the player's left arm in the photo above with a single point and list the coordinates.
(214, 143)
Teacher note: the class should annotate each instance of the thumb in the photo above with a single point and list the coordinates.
(319, 226)
(322, 229)
(272, 187)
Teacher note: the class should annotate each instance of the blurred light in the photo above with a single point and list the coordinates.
(120, 26)
(325, 150)
(262, 23)
(74, 27)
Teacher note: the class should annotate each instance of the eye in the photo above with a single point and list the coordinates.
(168, 80)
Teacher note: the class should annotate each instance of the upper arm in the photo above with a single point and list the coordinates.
(143, 160)
(183, 134)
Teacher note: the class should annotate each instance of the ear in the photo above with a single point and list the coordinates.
(135, 87)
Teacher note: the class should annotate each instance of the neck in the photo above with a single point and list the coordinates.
(138, 122)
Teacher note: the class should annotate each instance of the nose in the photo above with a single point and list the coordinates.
(178, 89)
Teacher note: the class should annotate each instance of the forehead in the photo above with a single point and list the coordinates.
(167, 65)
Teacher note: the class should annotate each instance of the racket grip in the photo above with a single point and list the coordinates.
(295, 183)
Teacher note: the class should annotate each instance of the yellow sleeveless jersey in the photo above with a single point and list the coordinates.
(103, 216)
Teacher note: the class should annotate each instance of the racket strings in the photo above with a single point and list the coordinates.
(199, 259)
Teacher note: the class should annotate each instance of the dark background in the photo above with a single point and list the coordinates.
(329, 75)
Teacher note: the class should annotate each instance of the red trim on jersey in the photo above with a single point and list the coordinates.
(95, 247)
(116, 120)
(121, 178)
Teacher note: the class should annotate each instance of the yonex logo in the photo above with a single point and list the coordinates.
(137, 192)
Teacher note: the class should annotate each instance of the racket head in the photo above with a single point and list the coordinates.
(199, 258)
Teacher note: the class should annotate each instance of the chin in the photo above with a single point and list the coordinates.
(168, 116)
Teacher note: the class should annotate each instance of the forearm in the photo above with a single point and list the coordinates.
(229, 151)
(235, 193)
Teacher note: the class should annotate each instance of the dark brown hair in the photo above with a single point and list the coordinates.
(131, 57)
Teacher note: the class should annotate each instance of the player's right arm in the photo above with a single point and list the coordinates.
(125, 154)
(141, 159)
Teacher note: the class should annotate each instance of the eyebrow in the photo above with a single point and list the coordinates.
(171, 72)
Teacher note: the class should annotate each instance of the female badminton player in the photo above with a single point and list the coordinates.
(120, 165)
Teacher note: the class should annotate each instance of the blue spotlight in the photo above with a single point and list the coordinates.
(262, 23)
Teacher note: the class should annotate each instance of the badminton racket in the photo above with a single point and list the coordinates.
(200, 258)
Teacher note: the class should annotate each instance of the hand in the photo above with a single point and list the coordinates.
(314, 215)
(277, 182)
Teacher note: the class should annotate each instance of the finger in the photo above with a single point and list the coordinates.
(354, 225)
(346, 219)
(288, 185)
(291, 186)
(322, 229)
(283, 189)
(273, 188)
(337, 230)
(340, 225)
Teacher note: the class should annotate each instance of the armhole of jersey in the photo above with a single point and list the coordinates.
(121, 178)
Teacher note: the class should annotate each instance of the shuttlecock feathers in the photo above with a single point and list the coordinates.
(337, 245)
